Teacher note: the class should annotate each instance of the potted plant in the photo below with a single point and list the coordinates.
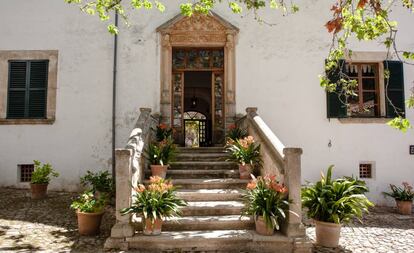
(99, 182)
(154, 203)
(403, 197)
(332, 203)
(246, 153)
(41, 177)
(235, 133)
(89, 210)
(159, 155)
(163, 132)
(266, 199)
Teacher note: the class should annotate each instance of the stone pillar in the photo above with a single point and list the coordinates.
(293, 226)
(230, 82)
(165, 71)
(122, 228)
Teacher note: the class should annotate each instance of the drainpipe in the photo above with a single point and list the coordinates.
(114, 98)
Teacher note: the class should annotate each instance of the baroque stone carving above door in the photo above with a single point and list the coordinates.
(198, 31)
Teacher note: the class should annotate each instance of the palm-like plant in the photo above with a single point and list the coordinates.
(245, 151)
(161, 153)
(157, 201)
(336, 201)
(404, 193)
(235, 133)
(266, 198)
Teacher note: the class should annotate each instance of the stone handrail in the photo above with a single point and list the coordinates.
(129, 168)
(284, 162)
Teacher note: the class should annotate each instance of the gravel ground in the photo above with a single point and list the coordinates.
(50, 226)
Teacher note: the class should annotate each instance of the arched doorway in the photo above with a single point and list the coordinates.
(198, 64)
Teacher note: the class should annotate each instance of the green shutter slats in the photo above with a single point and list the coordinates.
(27, 94)
(394, 88)
(335, 107)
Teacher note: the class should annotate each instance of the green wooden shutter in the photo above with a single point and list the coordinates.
(335, 108)
(16, 101)
(27, 93)
(395, 88)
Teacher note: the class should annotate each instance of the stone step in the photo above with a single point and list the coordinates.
(201, 150)
(182, 174)
(211, 241)
(214, 183)
(212, 157)
(213, 208)
(203, 165)
(189, 223)
(210, 194)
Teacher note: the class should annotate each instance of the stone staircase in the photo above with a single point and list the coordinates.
(211, 222)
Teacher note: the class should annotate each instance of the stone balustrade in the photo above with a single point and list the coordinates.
(129, 169)
(284, 162)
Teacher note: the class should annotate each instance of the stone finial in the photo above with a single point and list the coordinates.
(291, 151)
(251, 109)
(145, 109)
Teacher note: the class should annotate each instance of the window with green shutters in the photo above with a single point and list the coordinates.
(368, 100)
(27, 89)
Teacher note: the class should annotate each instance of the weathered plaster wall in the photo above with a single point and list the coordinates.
(277, 71)
(80, 137)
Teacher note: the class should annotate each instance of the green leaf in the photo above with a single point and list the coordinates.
(112, 29)
(400, 123)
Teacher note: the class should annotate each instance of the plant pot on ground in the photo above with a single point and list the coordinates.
(89, 210)
(246, 153)
(41, 177)
(159, 155)
(332, 203)
(153, 203)
(403, 197)
(266, 200)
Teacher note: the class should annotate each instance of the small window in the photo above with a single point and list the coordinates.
(26, 171)
(365, 170)
(27, 91)
(366, 103)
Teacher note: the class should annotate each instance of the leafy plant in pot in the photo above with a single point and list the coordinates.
(154, 203)
(333, 202)
(246, 153)
(163, 132)
(266, 199)
(403, 197)
(89, 210)
(159, 155)
(41, 177)
(235, 133)
(99, 182)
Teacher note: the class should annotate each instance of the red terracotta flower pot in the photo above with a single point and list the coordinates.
(89, 223)
(39, 191)
(262, 228)
(152, 227)
(404, 207)
(159, 170)
(245, 171)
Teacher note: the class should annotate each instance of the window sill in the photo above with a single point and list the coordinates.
(27, 121)
(364, 120)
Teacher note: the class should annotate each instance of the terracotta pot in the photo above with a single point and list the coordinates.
(404, 207)
(39, 191)
(159, 170)
(262, 228)
(152, 228)
(245, 171)
(327, 234)
(89, 223)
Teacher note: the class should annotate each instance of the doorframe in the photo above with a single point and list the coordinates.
(199, 30)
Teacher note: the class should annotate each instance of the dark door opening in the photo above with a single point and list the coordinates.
(197, 108)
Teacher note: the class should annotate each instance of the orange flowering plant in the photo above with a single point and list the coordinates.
(245, 151)
(266, 197)
(155, 201)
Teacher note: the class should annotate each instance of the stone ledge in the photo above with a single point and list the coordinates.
(364, 120)
(27, 121)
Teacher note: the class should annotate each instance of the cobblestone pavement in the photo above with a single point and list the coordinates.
(50, 226)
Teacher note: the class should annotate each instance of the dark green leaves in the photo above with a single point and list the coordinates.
(335, 200)
(42, 173)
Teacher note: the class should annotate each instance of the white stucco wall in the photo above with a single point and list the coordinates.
(277, 71)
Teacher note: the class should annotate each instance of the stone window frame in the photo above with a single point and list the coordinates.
(8, 55)
(377, 57)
